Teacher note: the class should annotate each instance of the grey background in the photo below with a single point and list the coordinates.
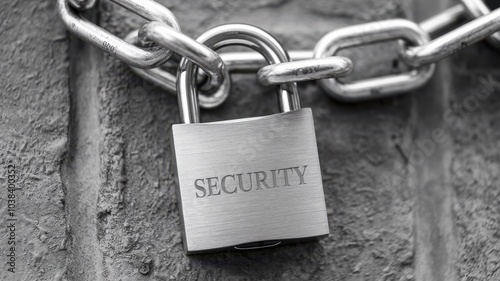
(90, 140)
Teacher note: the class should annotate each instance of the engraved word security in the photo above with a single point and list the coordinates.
(246, 183)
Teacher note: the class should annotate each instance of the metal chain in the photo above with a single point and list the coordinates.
(476, 9)
(305, 70)
(148, 57)
(165, 36)
(148, 50)
(454, 41)
(369, 33)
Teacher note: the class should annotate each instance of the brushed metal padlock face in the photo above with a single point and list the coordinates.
(249, 180)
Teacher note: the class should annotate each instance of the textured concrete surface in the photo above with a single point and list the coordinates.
(92, 144)
(475, 166)
(33, 136)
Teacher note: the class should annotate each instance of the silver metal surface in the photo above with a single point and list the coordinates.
(281, 210)
(443, 20)
(306, 70)
(242, 62)
(225, 35)
(453, 41)
(207, 59)
(130, 54)
(336, 67)
(365, 34)
(476, 9)
(167, 81)
(82, 5)
(236, 62)
(165, 31)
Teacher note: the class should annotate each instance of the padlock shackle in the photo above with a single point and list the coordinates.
(229, 35)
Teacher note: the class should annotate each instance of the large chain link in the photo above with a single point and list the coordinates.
(148, 57)
(148, 50)
(454, 41)
(476, 9)
(369, 33)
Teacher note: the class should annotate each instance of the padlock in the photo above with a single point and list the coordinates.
(246, 183)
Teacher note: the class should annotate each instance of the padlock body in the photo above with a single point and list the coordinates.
(249, 182)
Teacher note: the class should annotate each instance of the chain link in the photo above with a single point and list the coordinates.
(305, 70)
(235, 62)
(420, 55)
(369, 33)
(454, 41)
(139, 57)
(148, 50)
(476, 9)
(201, 55)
